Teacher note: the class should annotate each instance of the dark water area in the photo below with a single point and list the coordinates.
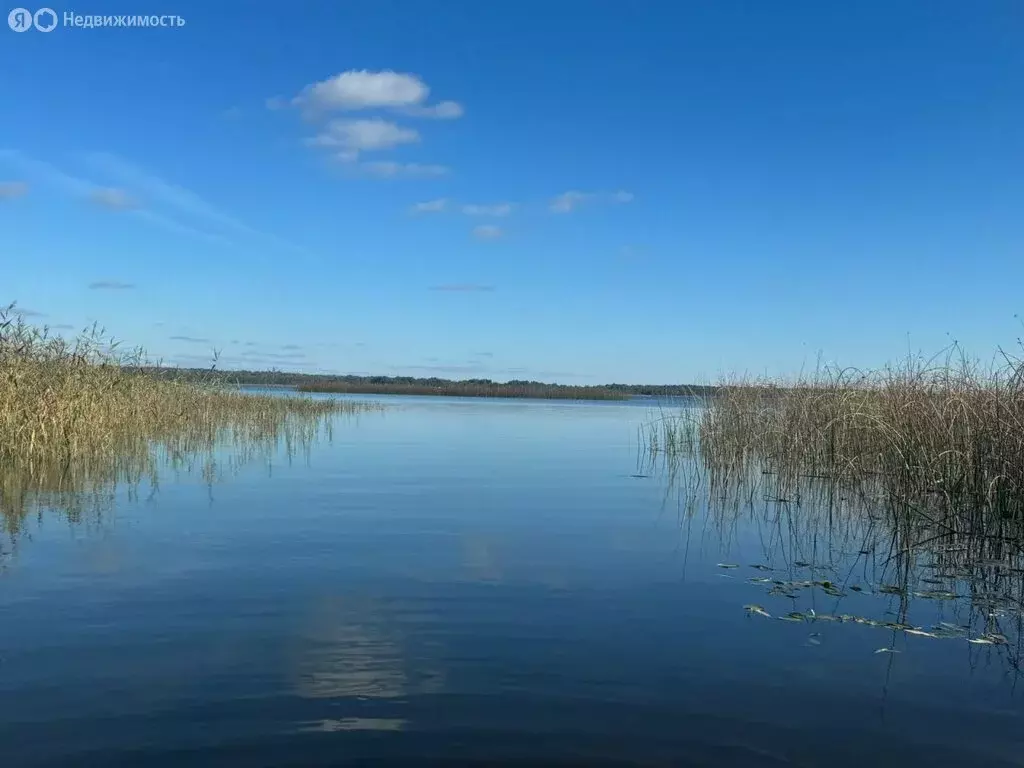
(465, 581)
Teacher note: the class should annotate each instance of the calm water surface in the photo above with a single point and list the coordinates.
(456, 581)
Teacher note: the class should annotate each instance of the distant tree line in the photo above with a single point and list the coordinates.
(410, 385)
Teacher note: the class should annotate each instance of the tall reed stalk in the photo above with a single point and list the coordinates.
(78, 414)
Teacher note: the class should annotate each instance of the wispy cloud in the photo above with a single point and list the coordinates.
(387, 169)
(573, 199)
(159, 220)
(430, 206)
(498, 209)
(189, 339)
(487, 232)
(445, 110)
(280, 356)
(47, 173)
(113, 199)
(25, 312)
(82, 188)
(9, 190)
(191, 361)
(441, 368)
(462, 287)
(111, 285)
(184, 201)
(235, 363)
(483, 354)
(567, 201)
(348, 138)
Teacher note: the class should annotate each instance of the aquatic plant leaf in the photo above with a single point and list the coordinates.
(936, 594)
(831, 589)
(814, 638)
(894, 625)
(756, 609)
(995, 638)
(727, 565)
(793, 616)
(980, 641)
(891, 589)
(856, 587)
(762, 567)
(920, 632)
(887, 650)
(759, 580)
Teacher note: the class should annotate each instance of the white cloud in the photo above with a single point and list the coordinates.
(347, 139)
(487, 232)
(498, 209)
(362, 89)
(351, 137)
(431, 206)
(567, 201)
(571, 200)
(445, 110)
(391, 169)
(359, 89)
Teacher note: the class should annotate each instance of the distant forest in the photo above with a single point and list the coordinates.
(408, 385)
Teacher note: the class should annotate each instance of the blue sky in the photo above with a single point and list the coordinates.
(573, 191)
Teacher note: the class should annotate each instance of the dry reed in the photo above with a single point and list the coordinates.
(78, 415)
(923, 433)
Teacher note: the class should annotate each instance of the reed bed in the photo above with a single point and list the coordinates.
(923, 434)
(77, 414)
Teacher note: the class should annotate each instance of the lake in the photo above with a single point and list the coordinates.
(477, 581)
